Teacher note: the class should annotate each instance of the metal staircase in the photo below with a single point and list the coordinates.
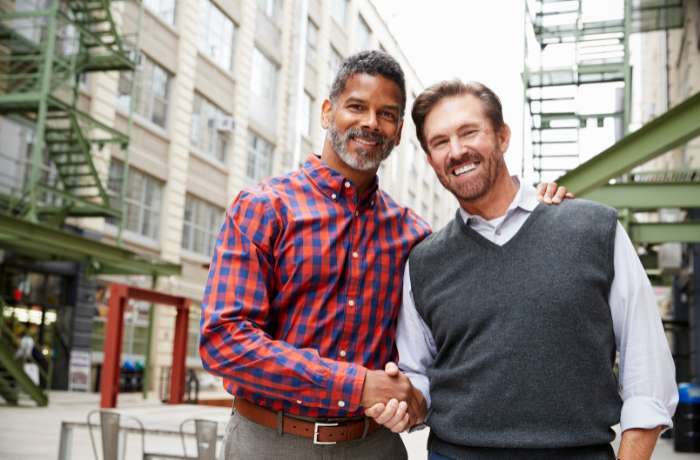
(14, 382)
(596, 56)
(44, 50)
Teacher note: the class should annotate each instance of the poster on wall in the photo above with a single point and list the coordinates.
(79, 370)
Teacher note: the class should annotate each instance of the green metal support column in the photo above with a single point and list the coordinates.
(673, 128)
(642, 195)
(37, 149)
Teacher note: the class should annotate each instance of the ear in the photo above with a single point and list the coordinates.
(326, 113)
(504, 137)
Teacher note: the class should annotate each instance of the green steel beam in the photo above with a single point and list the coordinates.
(647, 195)
(658, 232)
(675, 127)
(55, 243)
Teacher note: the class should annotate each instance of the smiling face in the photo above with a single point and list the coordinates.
(464, 149)
(364, 122)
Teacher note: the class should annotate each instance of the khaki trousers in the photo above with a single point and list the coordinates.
(246, 440)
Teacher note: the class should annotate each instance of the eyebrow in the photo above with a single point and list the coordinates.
(363, 101)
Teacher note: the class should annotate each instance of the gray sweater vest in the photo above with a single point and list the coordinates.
(524, 335)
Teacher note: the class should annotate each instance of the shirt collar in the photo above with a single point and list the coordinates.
(331, 182)
(525, 199)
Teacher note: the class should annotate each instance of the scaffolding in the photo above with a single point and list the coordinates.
(577, 74)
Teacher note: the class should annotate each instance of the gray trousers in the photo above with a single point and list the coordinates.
(246, 440)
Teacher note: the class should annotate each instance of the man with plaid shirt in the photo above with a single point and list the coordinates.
(300, 309)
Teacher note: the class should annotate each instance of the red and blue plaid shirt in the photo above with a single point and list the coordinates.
(304, 291)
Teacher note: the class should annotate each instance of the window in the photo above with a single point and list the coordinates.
(270, 8)
(259, 158)
(201, 225)
(364, 34)
(164, 9)
(307, 103)
(311, 42)
(216, 34)
(151, 91)
(208, 133)
(143, 199)
(339, 10)
(334, 62)
(263, 85)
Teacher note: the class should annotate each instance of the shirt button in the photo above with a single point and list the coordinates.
(355, 255)
(351, 303)
(341, 403)
(343, 353)
(347, 184)
(334, 196)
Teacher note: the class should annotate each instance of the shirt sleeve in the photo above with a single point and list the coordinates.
(414, 341)
(236, 312)
(647, 373)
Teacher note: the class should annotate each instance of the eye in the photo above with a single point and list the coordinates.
(391, 116)
(355, 107)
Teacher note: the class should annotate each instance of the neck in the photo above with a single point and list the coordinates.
(495, 202)
(362, 179)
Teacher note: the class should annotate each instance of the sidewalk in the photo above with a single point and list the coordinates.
(32, 433)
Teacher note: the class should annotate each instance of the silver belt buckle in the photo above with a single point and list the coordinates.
(318, 425)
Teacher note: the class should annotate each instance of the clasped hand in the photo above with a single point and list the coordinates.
(391, 400)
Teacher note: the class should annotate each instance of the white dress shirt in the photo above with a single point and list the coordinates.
(647, 374)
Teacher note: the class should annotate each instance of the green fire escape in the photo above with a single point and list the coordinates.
(596, 56)
(43, 53)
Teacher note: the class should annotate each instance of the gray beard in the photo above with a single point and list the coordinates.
(363, 160)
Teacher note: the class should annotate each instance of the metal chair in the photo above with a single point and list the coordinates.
(205, 433)
(110, 429)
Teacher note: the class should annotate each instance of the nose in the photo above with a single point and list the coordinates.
(456, 147)
(370, 121)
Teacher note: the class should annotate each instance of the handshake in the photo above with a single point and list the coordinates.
(389, 398)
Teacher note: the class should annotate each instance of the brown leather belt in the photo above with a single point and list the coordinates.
(319, 432)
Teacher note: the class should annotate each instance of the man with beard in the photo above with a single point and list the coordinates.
(513, 342)
(304, 288)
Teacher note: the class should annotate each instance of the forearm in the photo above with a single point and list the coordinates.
(257, 364)
(638, 444)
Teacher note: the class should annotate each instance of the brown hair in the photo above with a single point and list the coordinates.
(426, 101)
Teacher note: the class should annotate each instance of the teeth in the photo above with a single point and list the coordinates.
(363, 141)
(465, 169)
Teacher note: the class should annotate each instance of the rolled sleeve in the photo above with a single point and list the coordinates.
(645, 412)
